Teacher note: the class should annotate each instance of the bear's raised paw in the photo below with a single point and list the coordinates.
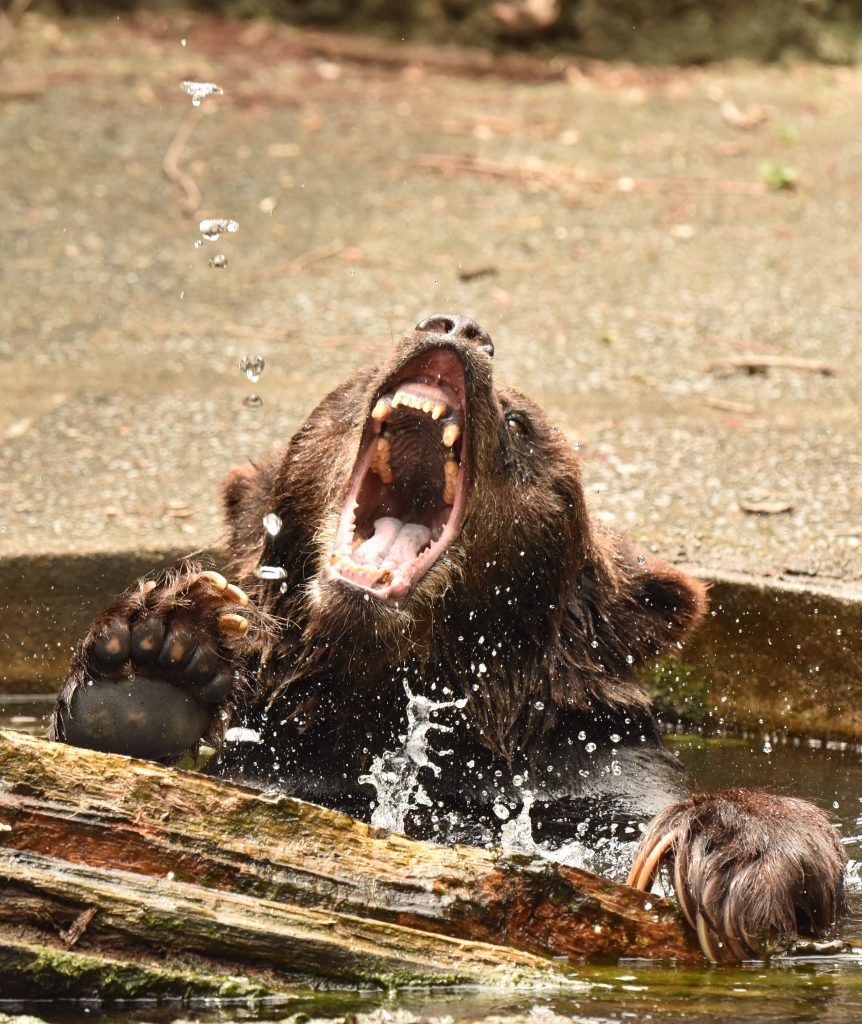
(150, 677)
(751, 870)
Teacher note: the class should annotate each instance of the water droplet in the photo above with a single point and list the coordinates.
(198, 244)
(641, 560)
(252, 401)
(218, 262)
(272, 524)
(615, 737)
(767, 747)
(270, 572)
(501, 811)
(582, 735)
(252, 367)
(212, 229)
(200, 90)
(539, 705)
(590, 747)
(630, 659)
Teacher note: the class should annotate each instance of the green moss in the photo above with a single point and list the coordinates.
(31, 971)
(680, 692)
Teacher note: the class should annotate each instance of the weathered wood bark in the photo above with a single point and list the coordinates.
(277, 861)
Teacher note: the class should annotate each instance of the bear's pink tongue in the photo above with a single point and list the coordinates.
(394, 543)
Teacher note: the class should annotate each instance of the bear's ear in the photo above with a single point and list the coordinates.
(239, 486)
(244, 494)
(660, 606)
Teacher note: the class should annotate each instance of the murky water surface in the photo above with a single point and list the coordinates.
(825, 989)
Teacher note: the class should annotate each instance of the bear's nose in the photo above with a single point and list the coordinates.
(460, 327)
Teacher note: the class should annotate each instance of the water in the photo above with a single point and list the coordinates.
(252, 367)
(395, 773)
(270, 572)
(271, 522)
(827, 989)
(200, 90)
(213, 228)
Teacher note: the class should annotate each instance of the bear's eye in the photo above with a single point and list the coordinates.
(516, 424)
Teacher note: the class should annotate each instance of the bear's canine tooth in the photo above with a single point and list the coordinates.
(450, 470)
(451, 433)
(427, 406)
(438, 411)
(381, 410)
(233, 624)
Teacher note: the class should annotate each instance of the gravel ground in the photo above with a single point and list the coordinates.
(612, 230)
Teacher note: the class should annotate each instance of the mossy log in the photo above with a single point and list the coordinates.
(176, 860)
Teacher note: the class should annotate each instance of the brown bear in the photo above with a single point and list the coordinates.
(431, 631)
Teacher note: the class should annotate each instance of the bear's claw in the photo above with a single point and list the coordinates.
(747, 867)
(149, 674)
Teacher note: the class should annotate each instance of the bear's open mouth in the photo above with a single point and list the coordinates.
(407, 492)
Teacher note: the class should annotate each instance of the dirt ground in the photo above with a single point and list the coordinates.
(614, 229)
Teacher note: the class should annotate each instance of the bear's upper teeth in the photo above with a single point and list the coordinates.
(401, 397)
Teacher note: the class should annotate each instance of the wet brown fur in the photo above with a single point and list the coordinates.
(561, 612)
(582, 612)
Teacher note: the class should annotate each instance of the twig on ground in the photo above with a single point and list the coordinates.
(757, 363)
(541, 174)
(765, 507)
(171, 167)
(299, 263)
(725, 406)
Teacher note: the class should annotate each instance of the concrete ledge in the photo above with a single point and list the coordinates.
(773, 656)
(49, 601)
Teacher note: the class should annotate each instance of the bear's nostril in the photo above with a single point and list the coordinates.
(460, 327)
(437, 324)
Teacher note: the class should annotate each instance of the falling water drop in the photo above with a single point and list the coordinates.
(272, 524)
(213, 228)
(200, 90)
(218, 262)
(252, 401)
(252, 367)
(270, 572)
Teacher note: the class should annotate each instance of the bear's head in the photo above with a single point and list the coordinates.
(430, 512)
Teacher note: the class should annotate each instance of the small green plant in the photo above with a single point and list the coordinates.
(788, 133)
(778, 176)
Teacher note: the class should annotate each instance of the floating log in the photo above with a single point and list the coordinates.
(177, 860)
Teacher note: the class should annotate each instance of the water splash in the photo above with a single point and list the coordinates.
(609, 855)
(252, 367)
(270, 572)
(272, 523)
(394, 774)
(200, 90)
(213, 228)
